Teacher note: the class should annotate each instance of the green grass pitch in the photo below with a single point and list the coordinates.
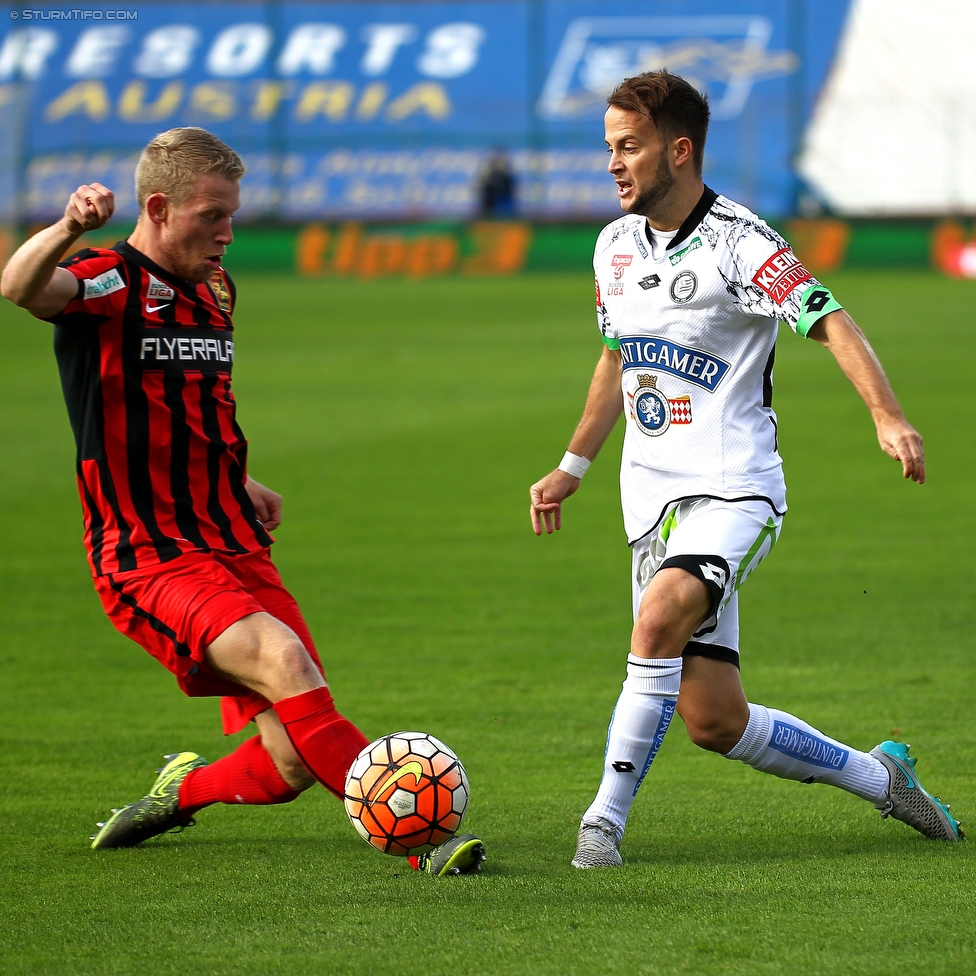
(404, 422)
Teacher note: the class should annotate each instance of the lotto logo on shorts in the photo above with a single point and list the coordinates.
(809, 748)
(780, 275)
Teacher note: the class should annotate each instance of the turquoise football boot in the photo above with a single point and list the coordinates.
(908, 801)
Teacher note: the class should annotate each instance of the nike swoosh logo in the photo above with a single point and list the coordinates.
(412, 768)
(156, 308)
(158, 792)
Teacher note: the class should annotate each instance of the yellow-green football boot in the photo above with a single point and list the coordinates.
(156, 813)
(459, 855)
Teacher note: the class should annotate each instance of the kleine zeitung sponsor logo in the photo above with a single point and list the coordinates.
(780, 275)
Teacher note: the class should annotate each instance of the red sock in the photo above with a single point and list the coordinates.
(325, 742)
(247, 775)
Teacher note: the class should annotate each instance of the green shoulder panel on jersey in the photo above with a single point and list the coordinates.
(815, 304)
(611, 342)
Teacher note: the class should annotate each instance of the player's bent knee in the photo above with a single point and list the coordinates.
(265, 655)
(291, 658)
(288, 669)
(279, 649)
(714, 734)
(656, 635)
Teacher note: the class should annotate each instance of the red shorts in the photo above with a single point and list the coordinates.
(177, 609)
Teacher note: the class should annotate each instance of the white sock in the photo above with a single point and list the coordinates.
(779, 743)
(644, 711)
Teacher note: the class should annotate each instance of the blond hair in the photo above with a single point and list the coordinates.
(172, 161)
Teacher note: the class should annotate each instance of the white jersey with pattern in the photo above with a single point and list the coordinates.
(696, 329)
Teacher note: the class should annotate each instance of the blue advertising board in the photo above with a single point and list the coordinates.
(390, 110)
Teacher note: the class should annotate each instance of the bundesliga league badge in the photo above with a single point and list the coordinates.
(653, 411)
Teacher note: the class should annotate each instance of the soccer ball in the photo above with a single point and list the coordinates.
(406, 793)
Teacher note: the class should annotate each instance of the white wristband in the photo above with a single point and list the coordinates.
(574, 464)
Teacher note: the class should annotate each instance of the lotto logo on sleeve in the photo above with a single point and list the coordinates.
(780, 275)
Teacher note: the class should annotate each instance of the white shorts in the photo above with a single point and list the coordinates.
(719, 542)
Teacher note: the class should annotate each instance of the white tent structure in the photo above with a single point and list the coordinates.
(894, 130)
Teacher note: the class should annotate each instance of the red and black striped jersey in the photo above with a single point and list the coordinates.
(145, 361)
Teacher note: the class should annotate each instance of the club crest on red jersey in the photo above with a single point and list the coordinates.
(780, 275)
(218, 284)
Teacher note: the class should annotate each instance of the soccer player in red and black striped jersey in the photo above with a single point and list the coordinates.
(176, 530)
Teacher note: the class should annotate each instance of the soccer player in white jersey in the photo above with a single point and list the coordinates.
(690, 288)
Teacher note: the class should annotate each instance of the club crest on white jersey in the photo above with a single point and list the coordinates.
(654, 412)
(683, 287)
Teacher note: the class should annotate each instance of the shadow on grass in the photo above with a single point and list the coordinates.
(772, 849)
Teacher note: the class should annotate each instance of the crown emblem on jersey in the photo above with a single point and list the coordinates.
(645, 379)
(221, 292)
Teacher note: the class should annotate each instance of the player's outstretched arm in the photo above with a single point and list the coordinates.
(604, 403)
(32, 278)
(850, 347)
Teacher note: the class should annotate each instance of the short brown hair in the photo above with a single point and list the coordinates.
(172, 161)
(674, 106)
